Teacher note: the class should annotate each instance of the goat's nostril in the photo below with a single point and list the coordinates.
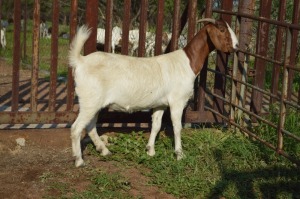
(236, 46)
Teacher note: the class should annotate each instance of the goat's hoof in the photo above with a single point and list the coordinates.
(79, 163)
(179, 155)
(150, 151)
(105, 152)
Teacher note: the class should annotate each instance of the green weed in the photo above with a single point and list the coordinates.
(216, 164)
(265, 131)
(105, 185)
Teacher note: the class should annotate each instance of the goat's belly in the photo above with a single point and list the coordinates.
(131, 100)
(139, 106)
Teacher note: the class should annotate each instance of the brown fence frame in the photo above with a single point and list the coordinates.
(288, 65)
(199, 112)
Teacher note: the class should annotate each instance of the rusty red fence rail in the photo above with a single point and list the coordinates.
(238, 95)
(243, 113)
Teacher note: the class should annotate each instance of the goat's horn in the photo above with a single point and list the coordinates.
(208, 20)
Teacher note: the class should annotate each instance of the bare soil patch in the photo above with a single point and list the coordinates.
(31, 171)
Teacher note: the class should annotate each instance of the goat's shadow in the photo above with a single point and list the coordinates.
(165, 127)
(260, 183)
(86, 140)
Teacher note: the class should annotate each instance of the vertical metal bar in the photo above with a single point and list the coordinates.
(91, 16)
(70, 84)
(243, 28)
(295, 20)
(16, 56)
(35, 56)
(284, 90)
(221, 66)
(125, 27)
(175, 26)
(242, 102)
(261, 49)
(242, 61)
(0, 16)
(143, 27)
(108, 26)
(183, 21)
(203, 74)
(299, 96)
(277, 52)
(208, 8)
(54, 55)
(159, 27)
(24, 30)
(192, 12)
(233, 88)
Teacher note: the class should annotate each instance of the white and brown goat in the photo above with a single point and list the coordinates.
(130, 84)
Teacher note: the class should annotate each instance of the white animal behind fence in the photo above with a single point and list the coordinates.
(3, 38)
(130, 84)
(134, 36)
(116, 37)
(150, 42)
(43, 30)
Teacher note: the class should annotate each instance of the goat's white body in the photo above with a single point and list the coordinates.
(131, 84)
(128, 84)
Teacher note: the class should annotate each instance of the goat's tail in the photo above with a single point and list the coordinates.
(80, 38)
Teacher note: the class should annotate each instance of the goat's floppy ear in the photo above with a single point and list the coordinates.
(211, 31)
(213, 35)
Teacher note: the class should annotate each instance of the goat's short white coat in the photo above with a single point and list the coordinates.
(128, 84)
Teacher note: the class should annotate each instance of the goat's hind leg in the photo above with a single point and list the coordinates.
(76, 130)
(84, 118)
(156, 125)
(92, 132)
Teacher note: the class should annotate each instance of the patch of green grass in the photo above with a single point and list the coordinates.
(265, 131)
(100, 184)
(105, 185)
(216, 164)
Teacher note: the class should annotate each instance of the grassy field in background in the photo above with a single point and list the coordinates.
(44, 50)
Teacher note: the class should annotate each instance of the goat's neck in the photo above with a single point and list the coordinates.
(198, 49)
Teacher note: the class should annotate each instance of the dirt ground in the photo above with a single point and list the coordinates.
(27, 171)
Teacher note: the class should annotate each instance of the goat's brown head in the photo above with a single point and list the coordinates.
(221, 35)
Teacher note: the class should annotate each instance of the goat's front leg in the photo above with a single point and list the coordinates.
(156, 125)
(92, 132)
(176, 114)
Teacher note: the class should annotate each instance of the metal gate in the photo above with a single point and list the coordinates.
(243, 90)
(50, 109)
